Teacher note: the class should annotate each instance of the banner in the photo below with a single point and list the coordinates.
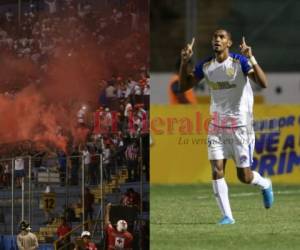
(179, 149)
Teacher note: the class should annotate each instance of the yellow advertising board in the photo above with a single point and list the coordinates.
(179, 151)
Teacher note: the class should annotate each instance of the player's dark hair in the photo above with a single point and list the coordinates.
(227, 32)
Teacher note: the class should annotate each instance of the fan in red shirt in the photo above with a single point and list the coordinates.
(61, 231)
(88, 244)
(131, 198)
(117, 238)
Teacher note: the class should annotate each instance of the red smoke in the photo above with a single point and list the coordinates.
(28, 117)
(44, 105)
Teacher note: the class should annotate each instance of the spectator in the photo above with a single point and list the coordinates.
(62, 230)
(116, 16)
(37, 163)
(52, 6)
(94, 168)
(121, 90)
(137, 90)
(81, 116)
(131, 156)
(26, 239)
(50, 161)
(107, 120)
(127, 111)
(69, 213)
(107, 162)
(75, 165)
(131, 198)
(146, 154)
(1, 175)
(134, 21)
(87, 162)
(141, 113)
(119, 237)
(19, 171)
(111, 94)
(81, 12)
(120, 150)
(130, 89)
(62, 160)
(102, 98)
(88, 204)
(146, 93)
(9, 15)
(87, 243)
(113, 162)
(7, 174)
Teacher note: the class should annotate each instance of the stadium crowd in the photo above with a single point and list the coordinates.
(123, 103)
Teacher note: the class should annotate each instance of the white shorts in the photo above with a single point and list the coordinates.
(236, 143)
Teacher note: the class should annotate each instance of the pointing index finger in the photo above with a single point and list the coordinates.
(190, 46)
(243, 40)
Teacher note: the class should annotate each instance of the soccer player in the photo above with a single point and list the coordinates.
(230, 133)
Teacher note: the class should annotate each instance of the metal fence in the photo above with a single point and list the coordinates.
(28, 189)
(38, 189)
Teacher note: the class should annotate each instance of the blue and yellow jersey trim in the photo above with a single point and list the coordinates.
(237, 58)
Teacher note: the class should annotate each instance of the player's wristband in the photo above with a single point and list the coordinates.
(252, 60)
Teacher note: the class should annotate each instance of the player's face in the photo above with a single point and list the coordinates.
(221, 41)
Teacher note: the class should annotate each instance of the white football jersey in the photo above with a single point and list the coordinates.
(230, 89)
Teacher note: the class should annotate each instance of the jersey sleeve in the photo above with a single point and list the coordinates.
(246, 66)
(198, 71)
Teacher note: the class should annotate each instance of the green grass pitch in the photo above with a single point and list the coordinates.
(184, 217)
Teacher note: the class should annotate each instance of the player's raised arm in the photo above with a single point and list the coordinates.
(187, 79)
(257, 75)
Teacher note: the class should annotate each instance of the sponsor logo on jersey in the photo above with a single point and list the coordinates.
(221, 85)
(230, 72)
